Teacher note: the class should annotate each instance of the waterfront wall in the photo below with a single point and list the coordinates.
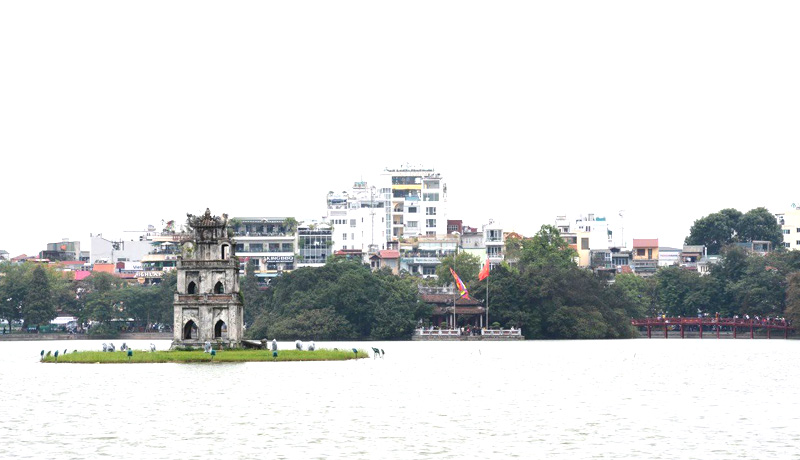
(120, 336)
(467, 338)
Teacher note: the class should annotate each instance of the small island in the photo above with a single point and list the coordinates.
(200, 356)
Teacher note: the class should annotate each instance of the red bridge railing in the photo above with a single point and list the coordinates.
(713, 325)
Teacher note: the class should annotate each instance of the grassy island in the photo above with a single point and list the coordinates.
(198, 356)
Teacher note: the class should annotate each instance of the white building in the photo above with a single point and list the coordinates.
(790, 226)
(494, 242)
(587, 233)
(111, 252)
(360, 218)
(418, 202)
(668, 257)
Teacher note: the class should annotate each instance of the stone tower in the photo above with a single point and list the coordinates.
(207, 305)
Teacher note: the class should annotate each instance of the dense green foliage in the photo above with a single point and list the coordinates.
(727, 226)
(34, 293)
(550, 297)
(464, 264)
(343, 300)
(741, 283)
(37, 293)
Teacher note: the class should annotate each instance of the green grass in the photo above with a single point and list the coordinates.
(224, 356)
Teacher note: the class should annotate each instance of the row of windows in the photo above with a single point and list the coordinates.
(352, 221)
(787, 231)
(260, 247)
(429, 211)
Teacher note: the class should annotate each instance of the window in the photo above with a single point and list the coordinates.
(430, 223)
(585, 244)
(786, 231)
(428, 270)
(411, 224)
(640, 252)
(344, 236)
(352, 222)
(412, 209)
(798, 230)
(430, 211)
(430, 197)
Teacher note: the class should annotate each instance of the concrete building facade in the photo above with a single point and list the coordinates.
(360, 218)
(418, 202)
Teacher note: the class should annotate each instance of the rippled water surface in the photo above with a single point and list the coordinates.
(648, 399)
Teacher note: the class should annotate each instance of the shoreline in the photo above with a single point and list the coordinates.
(17, 337)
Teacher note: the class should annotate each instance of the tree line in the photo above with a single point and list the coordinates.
(543, 291)
(36, 293)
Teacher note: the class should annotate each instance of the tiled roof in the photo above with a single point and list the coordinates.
(448, 299)
(389, 254)
(645, 243)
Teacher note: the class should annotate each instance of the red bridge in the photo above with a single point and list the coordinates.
(713, 325)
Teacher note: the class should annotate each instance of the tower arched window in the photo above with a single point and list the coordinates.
(192, 288)
(219, 288)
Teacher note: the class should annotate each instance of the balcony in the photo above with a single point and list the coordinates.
(645, 265)
(420, 261)
(262, 234)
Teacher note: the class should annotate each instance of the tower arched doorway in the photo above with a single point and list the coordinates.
(189, 330)
(220, 330)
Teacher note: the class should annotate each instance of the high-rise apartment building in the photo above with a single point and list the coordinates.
(418, 202)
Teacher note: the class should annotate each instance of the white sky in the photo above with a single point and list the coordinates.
(115, 115)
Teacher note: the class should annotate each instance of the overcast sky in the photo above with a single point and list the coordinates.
(116, 115)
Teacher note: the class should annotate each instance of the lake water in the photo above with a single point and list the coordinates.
(648, 399)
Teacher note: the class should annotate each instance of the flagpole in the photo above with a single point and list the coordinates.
(487, 302)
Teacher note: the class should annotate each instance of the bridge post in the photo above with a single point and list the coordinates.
(734, 329)
(751, 329)
(681, 325)
(665, 331)
(718, 328)
(648, 330)
(701, 328)
(769, 331)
